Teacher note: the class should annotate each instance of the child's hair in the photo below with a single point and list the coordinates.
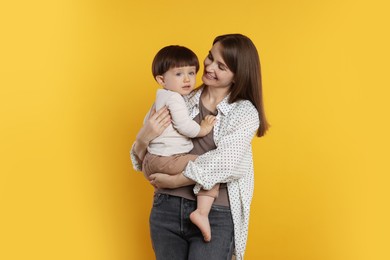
(173, 56)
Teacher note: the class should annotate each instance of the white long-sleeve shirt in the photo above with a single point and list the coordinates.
(176, 137)
(231, 162)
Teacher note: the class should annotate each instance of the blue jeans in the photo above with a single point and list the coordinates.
(174, 237)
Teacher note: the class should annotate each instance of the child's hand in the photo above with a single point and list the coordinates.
(209, 120)
(207, 125)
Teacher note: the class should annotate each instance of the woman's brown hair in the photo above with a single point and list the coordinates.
(242, 58)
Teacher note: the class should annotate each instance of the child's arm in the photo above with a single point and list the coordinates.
(206, 125)
(181, 119)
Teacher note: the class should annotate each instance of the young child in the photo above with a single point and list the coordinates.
(174, 68)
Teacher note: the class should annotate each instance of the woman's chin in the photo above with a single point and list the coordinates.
(207, 80)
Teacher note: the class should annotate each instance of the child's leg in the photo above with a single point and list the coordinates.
(200, 217)
(166, 164)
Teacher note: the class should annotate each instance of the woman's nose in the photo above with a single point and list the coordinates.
(210, 66)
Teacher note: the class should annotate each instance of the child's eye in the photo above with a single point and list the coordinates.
(178, 74)
(192, 73)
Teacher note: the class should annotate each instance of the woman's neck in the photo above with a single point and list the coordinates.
(211, 97)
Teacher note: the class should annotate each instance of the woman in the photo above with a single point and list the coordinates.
(232, 91)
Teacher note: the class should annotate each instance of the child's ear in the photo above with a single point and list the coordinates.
(160, 80)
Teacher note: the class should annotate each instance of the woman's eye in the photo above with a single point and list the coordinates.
(210, 57)
(178, 74)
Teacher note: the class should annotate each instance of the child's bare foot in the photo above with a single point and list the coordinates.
(202, 222)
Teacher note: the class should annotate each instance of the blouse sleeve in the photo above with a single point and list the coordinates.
(229, 161)
(137, 165)
(134, 160)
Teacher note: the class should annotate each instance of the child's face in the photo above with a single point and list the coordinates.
(181, 79)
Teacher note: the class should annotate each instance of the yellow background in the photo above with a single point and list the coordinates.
(75, 85)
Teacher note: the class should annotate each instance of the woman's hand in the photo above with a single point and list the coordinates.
(153, 127)
(166, 181)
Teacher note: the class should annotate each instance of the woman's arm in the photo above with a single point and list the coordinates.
(154, 125)
(231, 159)
(167, 181)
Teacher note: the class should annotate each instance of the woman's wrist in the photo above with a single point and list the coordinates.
(143, 137)
(142, 143)
(139, 149)
(182, 180)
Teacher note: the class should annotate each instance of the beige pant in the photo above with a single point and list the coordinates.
(173, 165)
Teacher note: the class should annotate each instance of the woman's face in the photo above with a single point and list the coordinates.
(216, 73)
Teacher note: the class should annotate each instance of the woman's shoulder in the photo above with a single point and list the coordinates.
(246, 113)
(196, 91)
(193, 97)
(245, 106)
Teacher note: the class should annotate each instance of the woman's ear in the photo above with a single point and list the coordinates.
(160, 80)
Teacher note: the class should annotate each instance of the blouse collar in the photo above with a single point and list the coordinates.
(193, 101)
